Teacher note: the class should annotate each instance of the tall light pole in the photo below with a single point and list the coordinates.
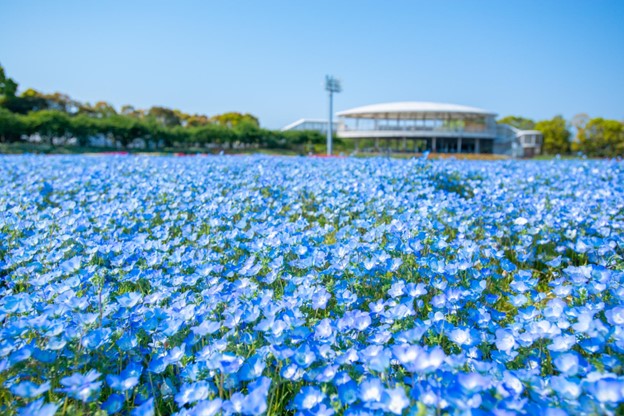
(332, 85)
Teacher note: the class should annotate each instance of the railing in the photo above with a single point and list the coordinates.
(467, 129)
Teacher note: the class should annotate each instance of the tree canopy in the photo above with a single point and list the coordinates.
(518, 122)
(602, 138)
(556, 135)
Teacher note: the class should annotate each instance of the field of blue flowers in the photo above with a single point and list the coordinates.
(250, 285)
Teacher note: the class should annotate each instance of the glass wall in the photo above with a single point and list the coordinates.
(441, 123)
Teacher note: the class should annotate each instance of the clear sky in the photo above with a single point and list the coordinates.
(534, 58)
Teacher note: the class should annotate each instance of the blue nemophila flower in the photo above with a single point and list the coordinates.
(567, 363)
(462, 336)
(96, 338)
(397, 289)
(175, 355)
(615, 316)
(256, 400)
(562, 343)
(507, 265)
(565, 388)
(323, 329)
(406, 354)
(356, 265)
(204, 408)
(348, 392)
(128, 378)
(194, 392)
(252, 368)
(430, 361)
(395, 400)
(145, 409)
(292, 372)
(473, 382)
(82, 387)
(304, 356)
(71, 265)
(39, 408)
(206, 327)
(505, 341)
(607, 390)
(129, 300)
(511, 385)
(371, 391)
(19, 303)
(29, 389)
(234, 405)
(113, 404)
(375, 357)
(157, 365)
(308, 398)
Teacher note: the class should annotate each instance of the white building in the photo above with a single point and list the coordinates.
(310, 124)
(437, 127)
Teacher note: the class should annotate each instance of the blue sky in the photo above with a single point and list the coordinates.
(269, 58)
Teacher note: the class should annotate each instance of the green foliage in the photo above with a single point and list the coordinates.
(602, 138)
(8, 87)
(50, 125)
(123, 130)
(304, 140)
(12, 126)
(556, 135)
(103, 109)
(211, 133)
(33, 100)
(518, 122)
(82, 127)
(164, 116)
(234, 119)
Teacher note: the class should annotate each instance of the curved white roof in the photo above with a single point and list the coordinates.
(411, 109)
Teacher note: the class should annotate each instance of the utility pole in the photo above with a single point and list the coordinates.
(332, 85)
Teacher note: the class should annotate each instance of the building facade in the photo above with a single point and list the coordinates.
(427, 126)
(310, 124)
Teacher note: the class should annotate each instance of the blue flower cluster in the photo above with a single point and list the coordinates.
(250, 285)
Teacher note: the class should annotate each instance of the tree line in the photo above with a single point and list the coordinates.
(57, 119)
(595, 137)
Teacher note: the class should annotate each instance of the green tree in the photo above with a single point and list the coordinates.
(8, 87)
(61, 102)
(29, 100)
(83, 127)
(103, 109)
(302, 140)
(12, 126)
(164, 116)
(518, 122)
(602, 138)
(50, 125)
(234, 119)
(130, 111)
(556, 135)
(211, 134)
(124, 130)
(248, 132)
(196, 120)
